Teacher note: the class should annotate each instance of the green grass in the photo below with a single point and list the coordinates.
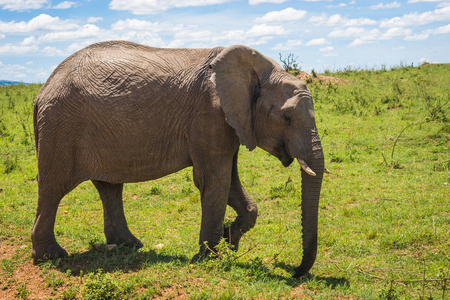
(384, 220)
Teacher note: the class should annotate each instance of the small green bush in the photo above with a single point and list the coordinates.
(99, 286)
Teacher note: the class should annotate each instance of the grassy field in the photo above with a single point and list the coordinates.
(384, 219)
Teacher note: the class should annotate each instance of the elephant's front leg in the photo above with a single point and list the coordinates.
(115, 224)
(246, 209)
(214, 186)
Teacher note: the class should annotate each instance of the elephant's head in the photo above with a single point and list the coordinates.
(273, 110)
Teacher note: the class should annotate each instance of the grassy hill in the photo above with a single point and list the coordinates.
(384, 219)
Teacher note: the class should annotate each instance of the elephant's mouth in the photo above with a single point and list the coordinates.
(280, 151)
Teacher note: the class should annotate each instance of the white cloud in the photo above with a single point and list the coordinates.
(53, 51)
(264, 30)
(143, 37)
(146, 7)
(17, 72)
(21, 72)
(326, 49)
(15, 49)
(441, 30)
(289, 45)
(440, 3)
(424, 35)
(364, 36)
(29, 41)
(88, 30)
(415, 19)
(417, 37)
(338, 20)
(28, 45)
(229, 35)
(15, 67)
(65, 5)
(12, 72)
(337, 5)
(398, 48)
(94, 19)
(21, 5)
(255, 2)
(359, 41)
(288, 14)
(194, 36)
(134, 24)
(42, 22)
(348, 32)
(359, 22)
(198, 38)
(395, 32)
(381, 5)
(417, 1)
(317, 42)
(74, 47)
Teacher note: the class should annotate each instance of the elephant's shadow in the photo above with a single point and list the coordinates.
(130, 260)
(120, 258)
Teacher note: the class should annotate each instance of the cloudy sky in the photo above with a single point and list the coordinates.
(36, 35)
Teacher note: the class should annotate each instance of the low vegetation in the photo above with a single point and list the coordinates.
(384, 219)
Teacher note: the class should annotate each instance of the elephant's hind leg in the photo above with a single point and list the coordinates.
(115, 224)
(43, 238)
(246, 209)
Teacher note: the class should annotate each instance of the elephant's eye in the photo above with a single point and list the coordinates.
(287, 118)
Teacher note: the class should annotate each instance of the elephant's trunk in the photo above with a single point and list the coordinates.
(311, 186)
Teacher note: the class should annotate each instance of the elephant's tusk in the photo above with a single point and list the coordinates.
(305, 167)
(326, 170)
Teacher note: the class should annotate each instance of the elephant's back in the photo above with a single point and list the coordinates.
(115, 69)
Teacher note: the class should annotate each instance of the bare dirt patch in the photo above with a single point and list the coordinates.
(173, 292)
(299, 292)
(7, 251)
(19, 277)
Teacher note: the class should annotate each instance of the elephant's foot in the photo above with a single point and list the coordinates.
(232, 235)
(125, 239)
(47, 251)
(204, 253)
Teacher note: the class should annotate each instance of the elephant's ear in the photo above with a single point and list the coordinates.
(234, 75)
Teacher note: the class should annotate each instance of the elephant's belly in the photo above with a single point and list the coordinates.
(144, 173)
(135, 164)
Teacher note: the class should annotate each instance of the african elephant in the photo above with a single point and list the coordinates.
(118, 112)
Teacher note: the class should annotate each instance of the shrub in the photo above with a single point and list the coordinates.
(99, 286)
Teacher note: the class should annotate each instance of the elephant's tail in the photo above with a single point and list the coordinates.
(36, 132)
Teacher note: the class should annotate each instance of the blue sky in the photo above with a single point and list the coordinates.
(36, 35)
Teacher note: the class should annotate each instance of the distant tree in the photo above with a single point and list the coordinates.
(289, 62)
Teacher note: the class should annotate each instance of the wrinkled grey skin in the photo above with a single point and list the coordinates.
(118, 112)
